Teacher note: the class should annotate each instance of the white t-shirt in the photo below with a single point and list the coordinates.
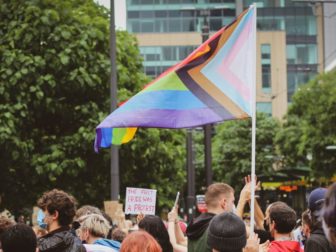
(98, 248)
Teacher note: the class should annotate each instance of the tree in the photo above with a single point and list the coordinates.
(54, 91)
(310, 127)
(232, 149)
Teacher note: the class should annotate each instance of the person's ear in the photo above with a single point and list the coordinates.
(223, 203)
(272, 225)
(55, 215)
(86, 234)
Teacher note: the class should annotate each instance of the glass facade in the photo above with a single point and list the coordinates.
(299, 22)
(297, 19)
(159, 58)
(174, 16)
(265, 107)
(177, 20)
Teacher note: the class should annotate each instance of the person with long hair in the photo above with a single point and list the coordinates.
(155, 226)
(329, 214)
(140, 241)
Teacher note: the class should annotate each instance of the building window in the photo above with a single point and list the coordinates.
(302, 54)
(265, 107)
(295, 79)
(266, 79)
(160, 58)
(301, 25)
(266, 68)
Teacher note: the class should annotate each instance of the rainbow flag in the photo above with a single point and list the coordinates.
(214, 83)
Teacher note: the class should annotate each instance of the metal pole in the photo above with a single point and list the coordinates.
(190, 176)
(207, 153)
(207, 128)
(113, 95)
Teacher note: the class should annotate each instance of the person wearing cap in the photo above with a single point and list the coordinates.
(329, 214)
(317, 241)
(227, 233)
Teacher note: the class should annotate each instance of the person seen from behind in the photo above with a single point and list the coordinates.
(219, 198)
(282, 221)
(94, 229)
(227, 233)
(19, 238)
(155, 227)
(140, 241)
(329, 214)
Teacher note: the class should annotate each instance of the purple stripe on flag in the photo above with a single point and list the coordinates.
(157, 118)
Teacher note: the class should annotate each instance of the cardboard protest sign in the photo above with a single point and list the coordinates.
(112, 208)
(139, 200)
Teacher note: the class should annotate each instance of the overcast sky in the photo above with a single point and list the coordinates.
(119, 11)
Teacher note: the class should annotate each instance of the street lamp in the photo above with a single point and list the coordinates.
(190, 176)
(208, 127)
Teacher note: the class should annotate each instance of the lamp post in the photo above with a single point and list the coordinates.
(190, 176)
(113, 94)
(207, 143)
(208, 127)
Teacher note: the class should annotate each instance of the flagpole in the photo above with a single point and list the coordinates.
(253, 149)
(114, 162)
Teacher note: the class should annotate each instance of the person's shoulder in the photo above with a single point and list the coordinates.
(316, 243)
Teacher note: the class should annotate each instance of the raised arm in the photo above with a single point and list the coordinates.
(172, 223)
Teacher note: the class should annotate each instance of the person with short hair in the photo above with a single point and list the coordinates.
(317, 241)
(282, 219)
(219, 198)
(329, 214)
(18, 238)
(86, 210)
(140, 241)
(58, 208)
(118, 235)
(94, 229)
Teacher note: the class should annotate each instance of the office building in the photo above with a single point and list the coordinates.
(290, 40)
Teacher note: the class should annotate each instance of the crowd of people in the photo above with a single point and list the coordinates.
(223, 228)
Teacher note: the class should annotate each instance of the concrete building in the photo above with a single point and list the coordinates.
(290, 40)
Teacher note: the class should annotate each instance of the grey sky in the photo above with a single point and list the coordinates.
(119, 11)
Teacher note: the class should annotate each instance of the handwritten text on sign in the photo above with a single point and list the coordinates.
(140, 200)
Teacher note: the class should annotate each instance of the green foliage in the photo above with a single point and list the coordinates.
(310, 127)
(155, 159)
(54, 91)
(232, 149)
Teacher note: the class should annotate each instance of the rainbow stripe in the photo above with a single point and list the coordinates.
(212, 84)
